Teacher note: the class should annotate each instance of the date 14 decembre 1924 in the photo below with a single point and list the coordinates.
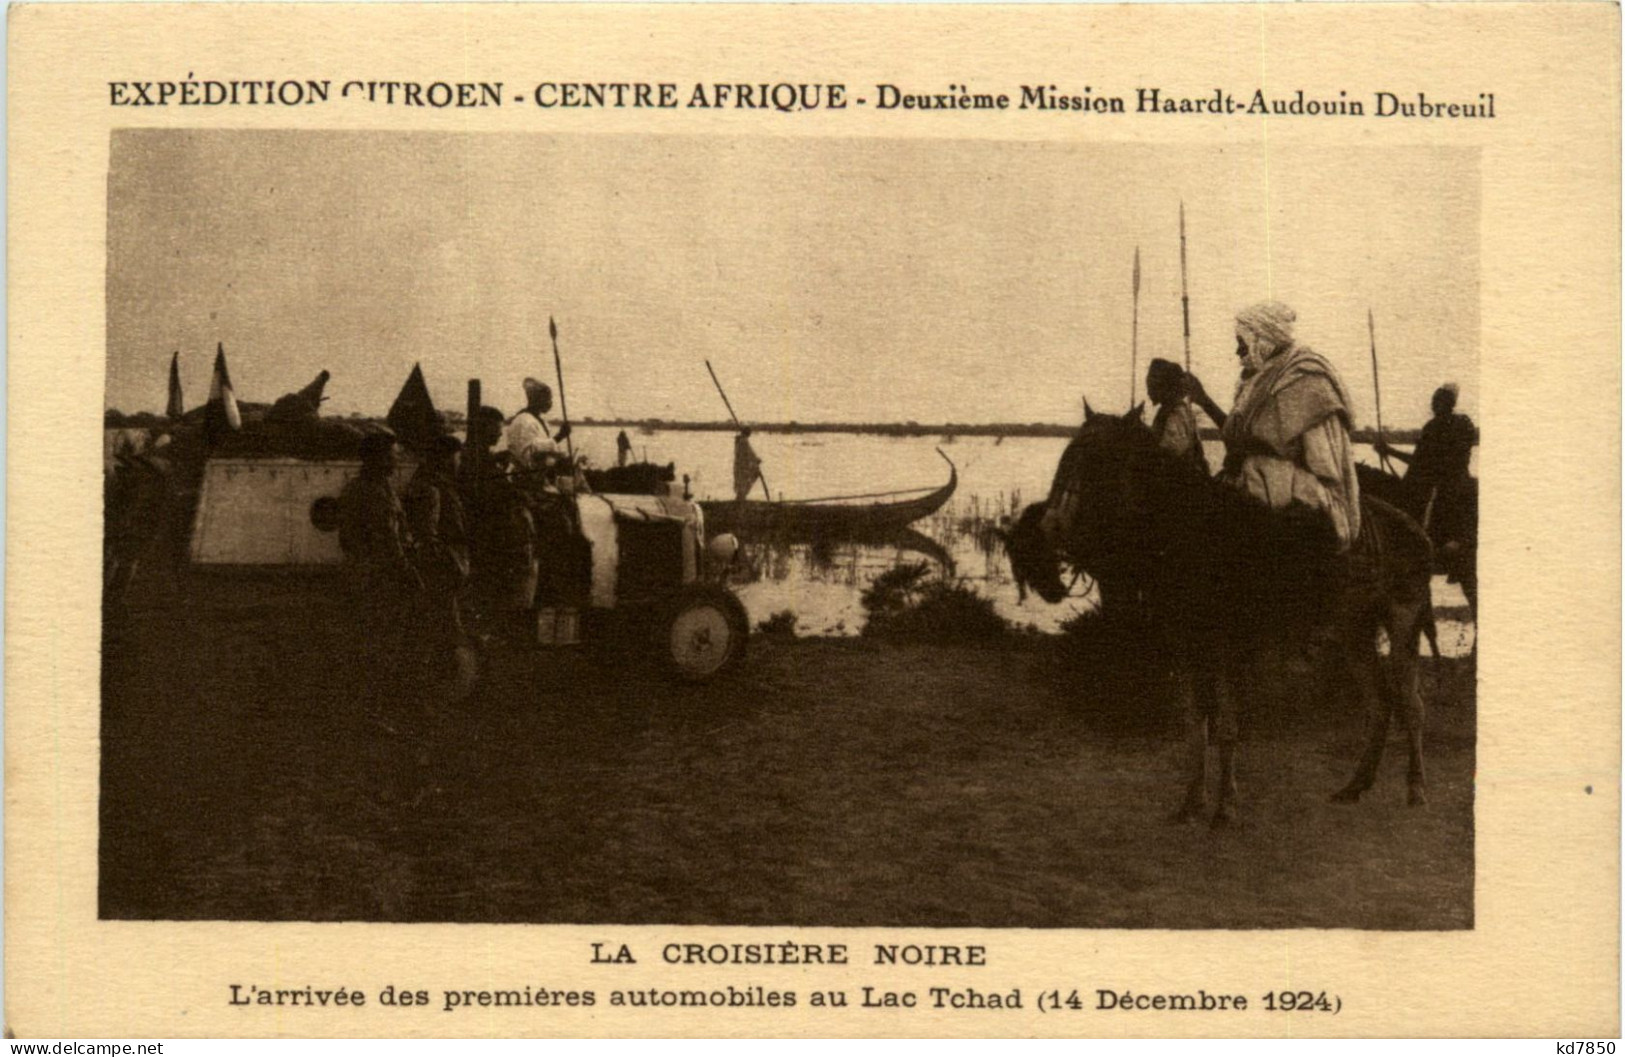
(1057, 1000)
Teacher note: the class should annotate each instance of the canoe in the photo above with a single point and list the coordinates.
(835, 518)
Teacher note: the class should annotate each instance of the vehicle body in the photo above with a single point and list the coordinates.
(657, 579)
(655, 572)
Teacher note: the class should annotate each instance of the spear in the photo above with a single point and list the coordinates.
(1184, 291)
(1376, 385)
(729, 405)
(1134, 353)
(564, 406)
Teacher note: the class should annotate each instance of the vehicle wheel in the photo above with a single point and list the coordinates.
(704, 635)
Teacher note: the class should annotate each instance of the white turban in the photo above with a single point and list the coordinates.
(1269, 322)
(1266, 329)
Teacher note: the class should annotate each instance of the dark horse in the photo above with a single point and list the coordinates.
(1450, 516)
(1219, 575)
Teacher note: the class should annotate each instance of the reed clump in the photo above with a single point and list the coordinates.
(912, 603)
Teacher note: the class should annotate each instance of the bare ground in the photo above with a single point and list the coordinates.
(839, 783)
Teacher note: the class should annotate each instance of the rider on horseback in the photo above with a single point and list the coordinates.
(1438, 479)
(1175, 423)
(1287, 437)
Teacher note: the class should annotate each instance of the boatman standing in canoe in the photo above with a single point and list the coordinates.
(747, 465)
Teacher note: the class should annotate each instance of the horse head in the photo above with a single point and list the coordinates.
(1034, 561)
(1097, 504)
(1083, 520)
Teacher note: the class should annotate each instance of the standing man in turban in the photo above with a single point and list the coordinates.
(1286, 437)
(529, 439)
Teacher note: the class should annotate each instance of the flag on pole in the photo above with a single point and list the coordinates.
(222, 415)
(412, 416)
(177, 406)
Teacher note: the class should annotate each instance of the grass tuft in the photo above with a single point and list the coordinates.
(909, 603)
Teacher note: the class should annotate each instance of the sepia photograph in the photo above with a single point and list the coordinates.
(740, 530)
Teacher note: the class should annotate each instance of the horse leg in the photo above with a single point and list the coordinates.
(1196, 710)
(1406, 697)
(1430, 629)
(1361, 663)
(1469, 587)
(1226, 729)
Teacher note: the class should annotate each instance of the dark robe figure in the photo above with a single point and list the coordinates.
(1441, 489)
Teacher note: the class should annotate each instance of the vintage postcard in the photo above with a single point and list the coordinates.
(813, 520)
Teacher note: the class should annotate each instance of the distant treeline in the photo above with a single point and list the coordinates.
(931, 429)
(115, 419)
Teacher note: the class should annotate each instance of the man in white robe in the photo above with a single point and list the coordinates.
(529, 439)
(1286, 437)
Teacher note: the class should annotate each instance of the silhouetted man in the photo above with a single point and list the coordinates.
(385, 586)
(1174, 423)
(747, 465)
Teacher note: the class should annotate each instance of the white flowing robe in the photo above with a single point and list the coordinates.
(528, 437)
(1288, 440)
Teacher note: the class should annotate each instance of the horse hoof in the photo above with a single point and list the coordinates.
(1418, 797)
(1346, 795)
(1224, 817)
(1187, 813)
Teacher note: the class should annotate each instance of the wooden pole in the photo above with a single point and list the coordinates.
(721, 393)
(1184, 289)
(1134, 348)
(760, 476)
(564, 405)
(1376, 385)
(473, 454)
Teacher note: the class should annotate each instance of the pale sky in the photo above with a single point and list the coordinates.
(825, 279)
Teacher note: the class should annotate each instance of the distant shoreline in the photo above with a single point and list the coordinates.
(934, 429)
(147, 420)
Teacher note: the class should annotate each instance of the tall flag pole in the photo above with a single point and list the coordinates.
(1184, 289)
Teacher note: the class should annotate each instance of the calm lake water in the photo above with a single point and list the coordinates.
(997, 477)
